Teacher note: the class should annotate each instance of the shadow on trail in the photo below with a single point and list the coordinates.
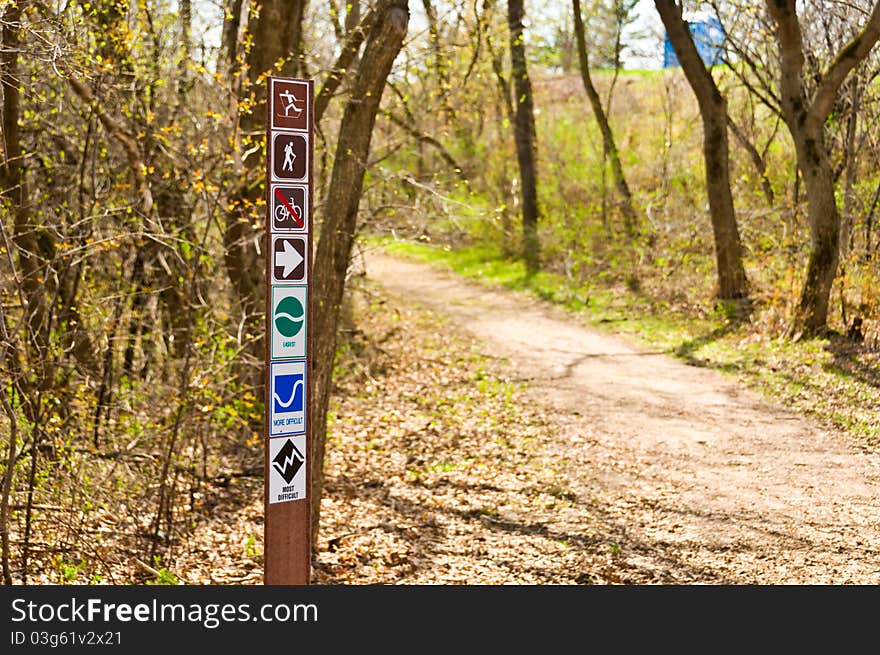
(686, 349)
(855, 360)
(582, 358)
(612, 534)
(849, 358)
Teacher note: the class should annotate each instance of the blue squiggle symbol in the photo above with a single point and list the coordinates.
(289, 387)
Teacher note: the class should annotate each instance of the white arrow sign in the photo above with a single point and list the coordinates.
(289, 258)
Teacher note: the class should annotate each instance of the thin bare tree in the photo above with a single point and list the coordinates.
(732, 282)
(524, 135)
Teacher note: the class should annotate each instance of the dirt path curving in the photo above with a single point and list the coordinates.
(698, 479)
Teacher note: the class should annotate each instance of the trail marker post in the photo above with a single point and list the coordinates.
(288, 383)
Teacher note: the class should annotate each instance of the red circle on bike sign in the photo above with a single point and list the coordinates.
(290, 207)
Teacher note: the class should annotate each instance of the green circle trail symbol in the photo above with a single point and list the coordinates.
(289, 316)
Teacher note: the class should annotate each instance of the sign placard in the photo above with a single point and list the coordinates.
(290, 104)
(287, 409)
(287, 478)
(289, 322)
(290, 158)
(289, 208)
(290, 255)
(288, 385)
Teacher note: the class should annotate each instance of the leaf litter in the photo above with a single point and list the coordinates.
(438, 471)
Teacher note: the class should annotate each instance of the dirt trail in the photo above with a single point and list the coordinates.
(699, 479)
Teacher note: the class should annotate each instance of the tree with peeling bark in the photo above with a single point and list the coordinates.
(805, 114)
(732, 282)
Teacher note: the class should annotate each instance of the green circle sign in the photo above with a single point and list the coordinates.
(289, 316)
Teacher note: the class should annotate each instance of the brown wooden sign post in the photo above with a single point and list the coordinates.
(287, 542)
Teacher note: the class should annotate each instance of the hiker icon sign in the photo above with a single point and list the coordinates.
(290, 157)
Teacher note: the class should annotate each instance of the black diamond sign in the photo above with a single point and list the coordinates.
(288, 461)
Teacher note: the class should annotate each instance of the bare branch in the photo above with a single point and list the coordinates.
(346, 57)
(117, 132)
(416, 133)
(847, 59)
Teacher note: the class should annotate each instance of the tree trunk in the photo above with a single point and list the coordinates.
(502, 182)
(183, 80)
(340, 218)
(11, 458)
(630, 218)
(6, 489)
(277, 36)
(732, 282)
(851, 163)
(347, 60)
(231, 36)
(31, 260)
(824, 220)
(524, 136)
(805, 119)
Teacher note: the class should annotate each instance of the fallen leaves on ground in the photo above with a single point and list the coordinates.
(437, 472)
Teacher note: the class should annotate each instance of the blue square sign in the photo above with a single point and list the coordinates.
(288, 402)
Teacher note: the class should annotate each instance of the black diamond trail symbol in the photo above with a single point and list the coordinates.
(288, 461)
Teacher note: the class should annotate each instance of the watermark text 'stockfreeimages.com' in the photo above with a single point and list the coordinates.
(37, 617)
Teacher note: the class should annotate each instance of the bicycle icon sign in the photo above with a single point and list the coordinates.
(289, 207)
(283, 214)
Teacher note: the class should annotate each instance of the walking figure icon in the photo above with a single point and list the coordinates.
(290, 156)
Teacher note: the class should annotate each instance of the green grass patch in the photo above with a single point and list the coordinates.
(609, 307)
(807, 376)
(629, 72)
(487, 264)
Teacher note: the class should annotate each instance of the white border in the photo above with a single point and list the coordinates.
(293, 235)
(286, 368)
(289, 180)
(273, 200)
(282, 352)
(277, 485)
(308, 109)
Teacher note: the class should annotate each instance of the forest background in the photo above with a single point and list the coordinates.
(725, 213)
